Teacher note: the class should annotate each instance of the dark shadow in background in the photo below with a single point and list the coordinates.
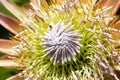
(4, 33)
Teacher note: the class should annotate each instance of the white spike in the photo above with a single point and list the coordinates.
(62, 43)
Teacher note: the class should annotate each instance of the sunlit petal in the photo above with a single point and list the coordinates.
(27, 8)
(8, 64)
(15, 77)
(117, 24)
(115, 34)
(13, 9)
(6, 46)
(5, 57)
(114, 4)
(9, 23)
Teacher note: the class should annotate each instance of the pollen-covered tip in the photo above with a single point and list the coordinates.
(61, 43)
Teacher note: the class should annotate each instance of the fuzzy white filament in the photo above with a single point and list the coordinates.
(61, 43)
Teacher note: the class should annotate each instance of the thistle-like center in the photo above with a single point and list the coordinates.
(61, 43)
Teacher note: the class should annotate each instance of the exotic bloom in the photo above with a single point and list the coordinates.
(63, 40)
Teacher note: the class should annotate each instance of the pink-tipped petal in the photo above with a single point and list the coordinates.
(6, 46)
(5, 57)
(13, 9)
(40, 3)
(116, 34)
(15, 77)
(117, 24)
(10, 23)
(114, 4)
(8, 64)
(27, 8)
(35, 2)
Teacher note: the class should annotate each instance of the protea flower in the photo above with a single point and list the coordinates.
(63, 40)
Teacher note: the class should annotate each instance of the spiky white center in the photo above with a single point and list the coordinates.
(61, 43)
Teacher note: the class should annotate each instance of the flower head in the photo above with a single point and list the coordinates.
(65, 40)
(61, 44)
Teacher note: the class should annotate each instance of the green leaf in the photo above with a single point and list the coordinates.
(5, 73)
(21, 2)
(5, 11)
